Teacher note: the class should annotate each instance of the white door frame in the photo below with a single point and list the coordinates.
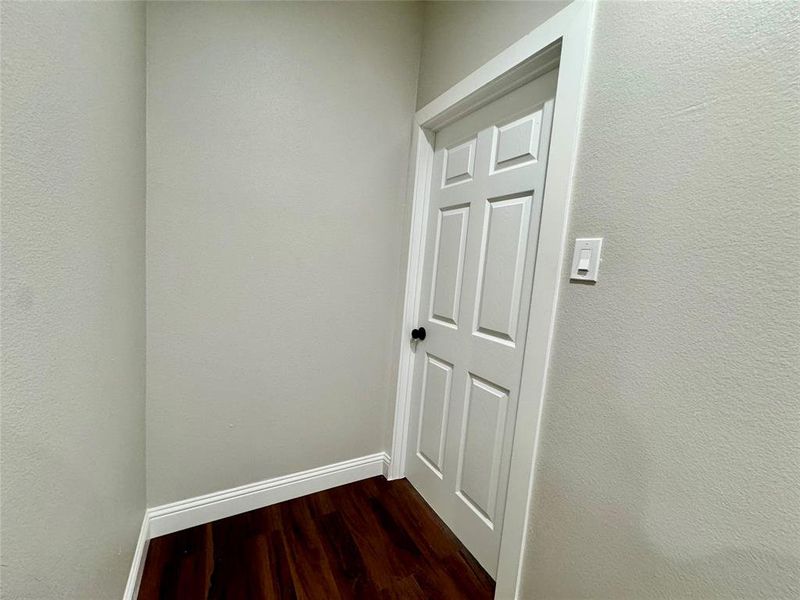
(564, 38)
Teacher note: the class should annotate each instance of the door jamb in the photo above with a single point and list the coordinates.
(570, 28)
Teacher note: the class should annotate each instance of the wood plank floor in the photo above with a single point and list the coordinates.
(373, 539)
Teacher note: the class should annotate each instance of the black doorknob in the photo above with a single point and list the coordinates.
(418, 334)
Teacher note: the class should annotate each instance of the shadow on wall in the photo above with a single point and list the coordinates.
(597, 544)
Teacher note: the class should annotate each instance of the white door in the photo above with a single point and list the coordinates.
(480, 253)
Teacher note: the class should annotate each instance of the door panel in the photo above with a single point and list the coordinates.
(433, 414)
(480, 251)
(481, 446)
(448, 264)
(459, 163)
(500, 267)
(518, 142)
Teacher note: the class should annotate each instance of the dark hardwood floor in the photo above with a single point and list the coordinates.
(373, 540)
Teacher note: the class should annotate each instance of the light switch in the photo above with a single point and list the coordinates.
(586, 259)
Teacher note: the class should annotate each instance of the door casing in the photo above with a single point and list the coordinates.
(564, 39)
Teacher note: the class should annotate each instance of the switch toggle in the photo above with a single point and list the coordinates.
(586, 259)
(583, 262)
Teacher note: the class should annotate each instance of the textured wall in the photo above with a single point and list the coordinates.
(668, 465)
(278, 141)
(72, 297)
(461, 36)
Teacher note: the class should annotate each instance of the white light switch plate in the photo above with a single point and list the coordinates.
(585, 268)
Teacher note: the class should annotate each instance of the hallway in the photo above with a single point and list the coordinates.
(273, 272)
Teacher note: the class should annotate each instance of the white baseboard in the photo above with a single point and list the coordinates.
(218, 505)
(137, 565)
(168, 518)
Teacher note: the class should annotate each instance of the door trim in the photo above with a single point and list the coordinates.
(564, 39)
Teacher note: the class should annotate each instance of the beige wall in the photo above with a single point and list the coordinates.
(278, 141)
(72, 297)
(459, 37)
(668, 465)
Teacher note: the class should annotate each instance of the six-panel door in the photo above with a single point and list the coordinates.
(485, 203)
